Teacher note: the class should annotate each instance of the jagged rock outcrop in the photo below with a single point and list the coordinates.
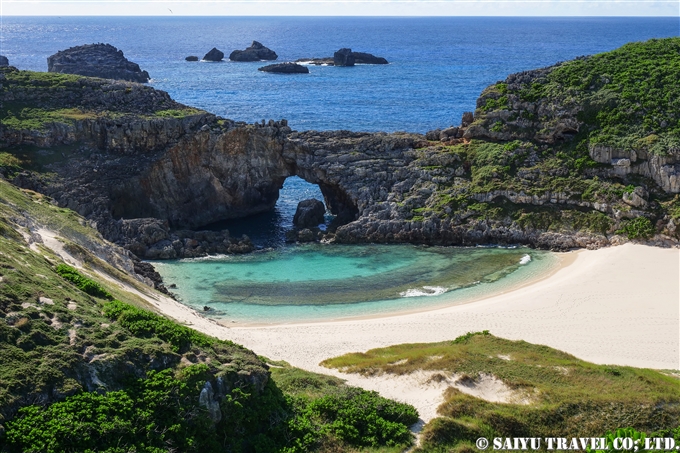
(255, 52)
(344, 57)
(285, 68)
(214, 55)
(309, 214)
(4, 61)
(96, 60)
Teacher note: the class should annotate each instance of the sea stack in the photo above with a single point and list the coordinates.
(285, 68)
(214, 55)
(343, 57)
(96, 60)
(255, 52)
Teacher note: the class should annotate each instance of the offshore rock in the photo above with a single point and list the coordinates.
(192, 58)
(309, 213)
(344, 57)
(285, 68)
(4, 61)
(96, 60)
(359, 58)
(255, 52)
(367, 58)
(214, 55)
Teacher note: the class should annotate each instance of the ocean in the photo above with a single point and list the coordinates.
(438, 67)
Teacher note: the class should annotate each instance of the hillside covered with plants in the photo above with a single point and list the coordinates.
(85, 366)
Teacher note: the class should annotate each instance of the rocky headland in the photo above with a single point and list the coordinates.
(96, 60)
(255, 52)
(521, 169)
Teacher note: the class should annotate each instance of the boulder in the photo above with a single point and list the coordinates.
(309, 213)
(367, 58)
(433, 135)
(451, 132)
(214, 55)
(4, 61)
(255, 52)
(343, 57)
(468, 118)
(96, 60)
(285, 68)
(191, 58)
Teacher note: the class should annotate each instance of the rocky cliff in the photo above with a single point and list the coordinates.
(530, 166)
(96, 60)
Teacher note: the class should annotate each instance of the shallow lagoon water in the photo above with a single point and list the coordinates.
(315, 282)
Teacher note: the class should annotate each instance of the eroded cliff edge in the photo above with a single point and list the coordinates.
(581, 154)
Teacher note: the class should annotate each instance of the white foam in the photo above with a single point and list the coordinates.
(525, 259)
(424, 291)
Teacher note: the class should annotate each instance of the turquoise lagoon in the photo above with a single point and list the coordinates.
(316, 282)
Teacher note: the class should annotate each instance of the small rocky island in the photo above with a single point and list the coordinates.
(214, 55)
(96, 60)
(191, 58)
(345, 57)
(285, 68)
(255, 52)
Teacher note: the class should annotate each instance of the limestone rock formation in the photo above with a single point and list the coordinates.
(344, 57)
(285, 68)
(255, 52)
(214, 55)
(309, 214)
(96, 60)
(4, 61)
(192, 58)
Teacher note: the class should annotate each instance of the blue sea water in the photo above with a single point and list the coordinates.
(438, 67)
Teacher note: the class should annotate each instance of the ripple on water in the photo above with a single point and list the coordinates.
(316, 282)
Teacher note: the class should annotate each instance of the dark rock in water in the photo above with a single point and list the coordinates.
(344, 57)
(367, 58)
(255, 52)
(317, 61)
(285, 68)
(96, 60)
(4, 61)
(206, 308)
(193, 58)
(309, 213)
(214, 55)
(306, 235)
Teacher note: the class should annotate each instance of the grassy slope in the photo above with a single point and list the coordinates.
(103, 374)
(569, 397)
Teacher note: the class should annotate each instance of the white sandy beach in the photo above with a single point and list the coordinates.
(618, 305)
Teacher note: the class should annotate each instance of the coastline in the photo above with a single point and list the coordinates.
(616, 305)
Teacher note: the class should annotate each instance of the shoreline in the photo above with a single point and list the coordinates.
(564, 259)
(616, 305)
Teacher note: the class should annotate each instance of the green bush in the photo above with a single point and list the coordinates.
(638, 228)
(83, 283)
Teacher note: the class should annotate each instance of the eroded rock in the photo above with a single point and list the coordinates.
(255, 52)
(96, 60)
(309, 214)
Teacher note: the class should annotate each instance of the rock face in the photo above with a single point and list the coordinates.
(193, 58)
(214, 55)
(255, 52)
(285, 68)
(4, 61)
(367, 58)
(96, 60)
(344, 57)
(309, 214)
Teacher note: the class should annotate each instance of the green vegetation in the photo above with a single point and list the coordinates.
(638, 228)
(84, 284)
(85, 368)
(178, 113)
(553, 392)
